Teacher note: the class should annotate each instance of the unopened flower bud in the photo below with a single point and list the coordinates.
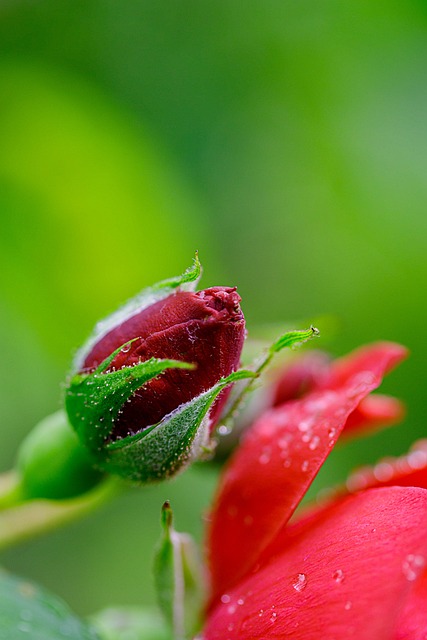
(152, 380)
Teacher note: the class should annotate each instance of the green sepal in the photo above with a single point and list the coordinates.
(28, 611)
(178, 579)
(148, 296)
(292, 338)
(94, 400)
(162, 450)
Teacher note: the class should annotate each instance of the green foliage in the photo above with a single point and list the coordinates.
(27, 611)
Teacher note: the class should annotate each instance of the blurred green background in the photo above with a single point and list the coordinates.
(287, 141)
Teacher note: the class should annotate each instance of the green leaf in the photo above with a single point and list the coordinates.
(93, 401)
(163, 449)
(28, 611)
(178, 578)
(293, 338)
(148, 296)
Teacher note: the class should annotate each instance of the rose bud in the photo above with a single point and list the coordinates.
(136, 422)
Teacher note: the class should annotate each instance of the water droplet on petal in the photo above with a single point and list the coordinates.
(304, 465)
(412, 566)
(241, 601)
(273, 617)
(223, 430)
(417, 459)
(299, 583)
(126, 348)
(265, 456)
(225, 598)
(338, 576)
(306, 425)
(314, 443)
(348, 605)
(383, 471)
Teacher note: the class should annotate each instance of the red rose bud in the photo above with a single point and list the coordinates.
(206, 329)
(141, 424)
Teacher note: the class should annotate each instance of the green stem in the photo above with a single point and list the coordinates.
(10, 490)
(25, 520)
(289, 339)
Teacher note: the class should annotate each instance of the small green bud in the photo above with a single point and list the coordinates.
(53, 464)
(178, 578)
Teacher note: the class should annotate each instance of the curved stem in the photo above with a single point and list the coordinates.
(10, 490)
(27, 519)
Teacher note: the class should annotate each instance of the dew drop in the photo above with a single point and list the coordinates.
(265, 456)
(126, 348)
(412, 566)
(314, 443)
(332, 433)
(230, 626)
(348, 605)
(225, 598)
(241, 601)
(306, 425)
(338, 576)
(231, 609)
(25, 627)
(383, 471)
(223, 430)
(261, 613)
(417, 459)
(283, 443)
(299, 583)
(273, 617)
(304, 465)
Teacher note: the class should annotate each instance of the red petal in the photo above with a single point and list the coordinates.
(275, 465)
(412, 624)
(373, 413)
(301, 376)
(206, 328)
(347, 576)
(380, 358)
(409, 470)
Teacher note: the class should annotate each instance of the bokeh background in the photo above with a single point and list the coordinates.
(286, 141)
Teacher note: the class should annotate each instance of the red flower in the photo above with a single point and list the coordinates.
(354, 567)
(205, 328)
